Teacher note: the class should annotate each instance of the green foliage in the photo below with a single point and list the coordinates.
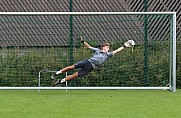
(21, 66)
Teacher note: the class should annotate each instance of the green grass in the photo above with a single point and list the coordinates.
(90, 104)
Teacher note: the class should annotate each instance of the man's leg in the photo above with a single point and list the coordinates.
(85, 70)
(66, 79)
(63, 71)
(79, 64)
(71, 76)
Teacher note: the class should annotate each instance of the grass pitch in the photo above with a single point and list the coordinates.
(90, 104)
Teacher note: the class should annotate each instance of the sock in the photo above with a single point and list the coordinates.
(63, 80)
(58, 72)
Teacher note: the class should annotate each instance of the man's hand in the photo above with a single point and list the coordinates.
(81, 39)
(84, 43)
(129, 43)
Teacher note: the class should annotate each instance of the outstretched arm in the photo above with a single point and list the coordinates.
(129, 43)
(85, 43)
(118, 50)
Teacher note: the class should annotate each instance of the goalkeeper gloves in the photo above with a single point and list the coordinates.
(81, 39)
(129, 43)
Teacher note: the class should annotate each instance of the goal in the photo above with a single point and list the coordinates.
(36, 44)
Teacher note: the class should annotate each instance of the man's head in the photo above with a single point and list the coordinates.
(105, 47)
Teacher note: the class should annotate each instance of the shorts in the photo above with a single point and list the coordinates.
(85, 66)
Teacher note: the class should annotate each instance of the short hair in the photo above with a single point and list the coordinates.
(105, 44)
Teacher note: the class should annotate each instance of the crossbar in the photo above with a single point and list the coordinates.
(86, 13)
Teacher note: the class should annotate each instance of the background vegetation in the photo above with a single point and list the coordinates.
(20, 66)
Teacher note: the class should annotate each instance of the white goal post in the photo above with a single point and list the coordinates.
(172, 83)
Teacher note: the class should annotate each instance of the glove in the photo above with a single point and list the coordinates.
(129, 43)
(81, 39)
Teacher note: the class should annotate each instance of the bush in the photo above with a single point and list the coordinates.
(20, 66)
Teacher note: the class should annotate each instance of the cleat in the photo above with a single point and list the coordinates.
(56, 82)
(53, 77)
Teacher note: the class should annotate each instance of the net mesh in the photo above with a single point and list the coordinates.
(30, 43)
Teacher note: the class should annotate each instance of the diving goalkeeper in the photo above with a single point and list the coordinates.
(88, 65)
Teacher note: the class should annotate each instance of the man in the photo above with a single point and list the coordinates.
(87, 65)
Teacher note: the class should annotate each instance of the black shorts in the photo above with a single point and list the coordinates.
(85, 66)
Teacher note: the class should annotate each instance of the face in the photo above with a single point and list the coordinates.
(105, 48)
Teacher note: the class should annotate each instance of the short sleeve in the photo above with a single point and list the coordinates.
(94, 49)
(110, 54)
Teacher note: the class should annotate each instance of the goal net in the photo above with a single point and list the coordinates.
(34, 45)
